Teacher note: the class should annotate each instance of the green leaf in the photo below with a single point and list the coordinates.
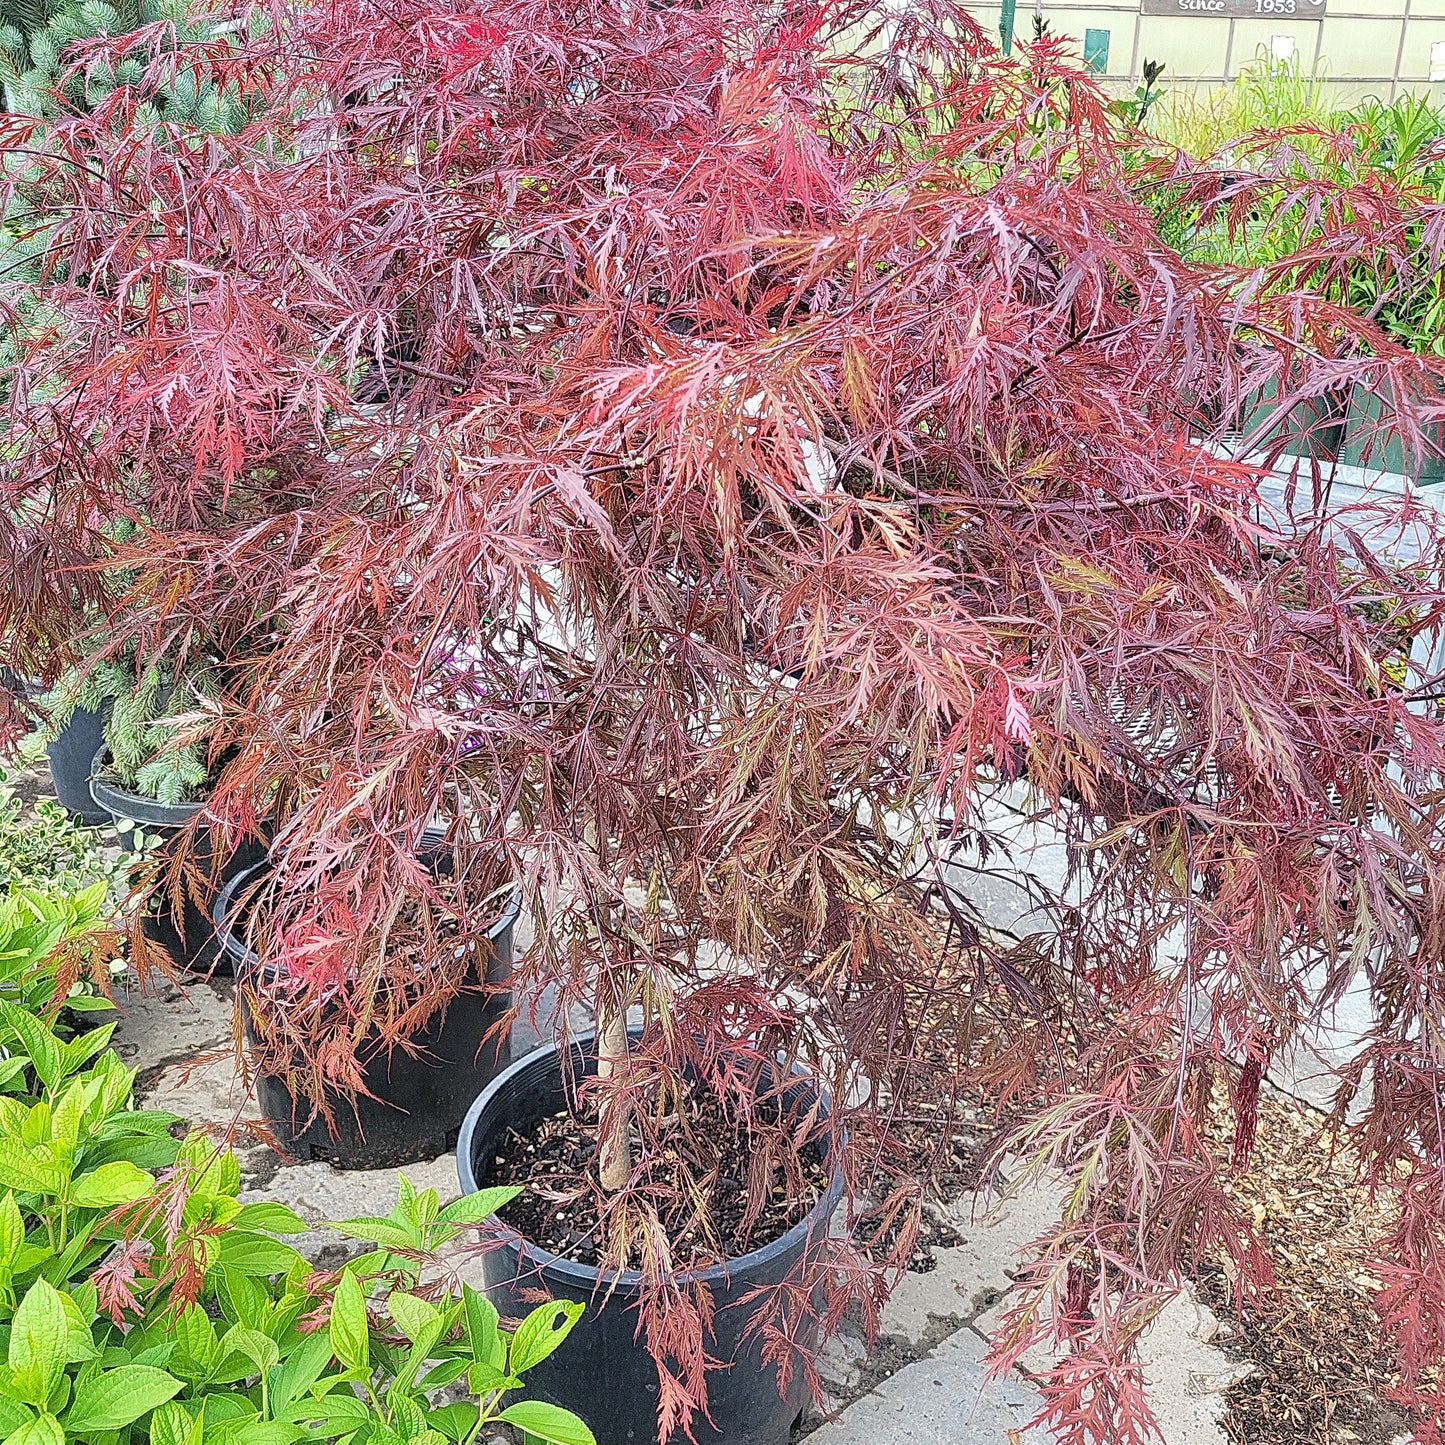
(12, 1415)
(444, 1374)
(424, 1207)
(79, 1051)
(273, 1218)
(350, 1336)
(37, 1040)
(380, 1231)
(12, 1229)
(454, 1421)
(256, 1254)
(65, 1123)
(385, 1435)
(173, 1424)
(79, 1344)
(117, 1397)
(37, 1344)
(483, 1335)
(411, 1314)
(43, 1430)
(548, 1422)
(158, 1355)
(85, 1003)
(21, 1170)
(406, 1414)
(110, 1185)
(245, 1298)
(261, 1350)
(268, 1432)
(340, 1411)
(302, 1368)
(487, 1380)
(226, 1407)
(198, 1351)
(406, 1198)
(541, 1332)
(473, 1208)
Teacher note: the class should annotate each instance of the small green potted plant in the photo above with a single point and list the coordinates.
(150, 775)
(151, 764)
(140, 1299)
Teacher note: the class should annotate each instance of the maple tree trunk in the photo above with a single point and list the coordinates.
(614, 1146)
(614, 1141)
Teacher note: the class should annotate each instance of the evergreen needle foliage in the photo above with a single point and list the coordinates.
(151, 724)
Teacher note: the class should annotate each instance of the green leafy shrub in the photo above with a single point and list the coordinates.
(43, 849)
(50, 946)
(1267, 94)
(203, 1326)
(37, 74)
(137, 1305)
(1314, 164)
(1404, 142)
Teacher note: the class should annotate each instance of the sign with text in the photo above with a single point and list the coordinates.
(1238, 9)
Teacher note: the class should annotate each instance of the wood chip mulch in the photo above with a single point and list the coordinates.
(1322, 1365)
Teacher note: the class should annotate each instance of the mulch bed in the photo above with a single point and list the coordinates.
(1321, 1363)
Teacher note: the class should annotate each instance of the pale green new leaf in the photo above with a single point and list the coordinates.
(38, 1344)
(380, 1231)
(260, 1349)
(473, 1208)
(412, 1315)
(548, 1422)
(26, 1173)
(273, 1218)
(350, 1336)
(254, 1254)
(112, 1184)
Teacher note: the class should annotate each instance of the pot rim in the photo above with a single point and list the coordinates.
(244, 957)
(585, 1276)
(137, 809)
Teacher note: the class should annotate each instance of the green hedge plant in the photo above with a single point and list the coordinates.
(141, 1300)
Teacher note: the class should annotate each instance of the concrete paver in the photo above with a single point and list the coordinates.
(168, 1023)
(1185, 1369)
(944, 1399)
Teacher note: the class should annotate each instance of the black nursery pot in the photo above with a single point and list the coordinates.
(602, 1371)
(189, 938)
(72, 754)
(417, 1099)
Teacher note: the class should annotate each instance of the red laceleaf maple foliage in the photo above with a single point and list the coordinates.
(696, 454)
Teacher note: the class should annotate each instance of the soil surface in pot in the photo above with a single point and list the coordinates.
(698, 1181)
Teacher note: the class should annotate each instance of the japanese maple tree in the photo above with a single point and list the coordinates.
(695, 453)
